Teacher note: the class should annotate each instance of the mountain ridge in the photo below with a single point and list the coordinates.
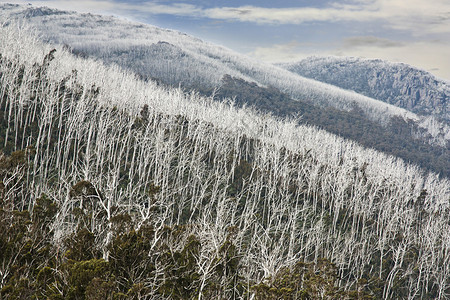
(396, 83)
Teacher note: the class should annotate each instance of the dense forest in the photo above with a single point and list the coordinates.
(116, 188)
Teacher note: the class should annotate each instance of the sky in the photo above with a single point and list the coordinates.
(416, 32)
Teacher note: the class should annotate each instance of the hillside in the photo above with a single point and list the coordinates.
(394, 83)
(112, 186)
(175, 58)
(394, 138)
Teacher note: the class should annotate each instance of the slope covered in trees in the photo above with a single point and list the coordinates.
(395, 138)
(115, 186)
(176, 58)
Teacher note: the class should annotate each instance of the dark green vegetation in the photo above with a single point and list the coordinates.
(395, 139)
(139, 254)
(37, 268)
(75, 268)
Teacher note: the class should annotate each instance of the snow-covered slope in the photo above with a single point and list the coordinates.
(175, 58)
(395, 83)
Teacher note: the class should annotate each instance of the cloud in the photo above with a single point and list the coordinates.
(292, 15)
(419, 16)
(80, 5)
(286, 52)
(372, 41)
(93, 6)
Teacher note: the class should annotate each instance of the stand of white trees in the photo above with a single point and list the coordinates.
(301, 194)
(175, 58)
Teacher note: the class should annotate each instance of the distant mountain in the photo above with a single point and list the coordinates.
(175, 59)
(395, 83)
